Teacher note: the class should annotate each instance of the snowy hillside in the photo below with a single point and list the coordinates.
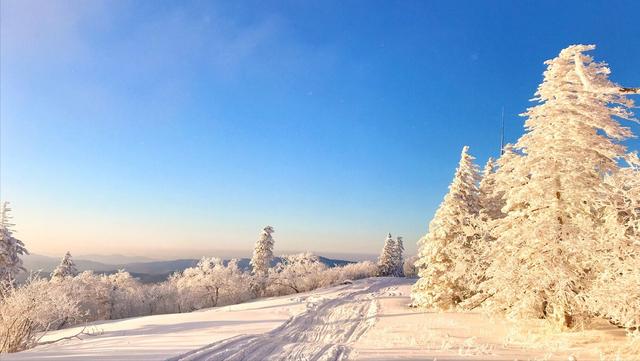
(366, 320)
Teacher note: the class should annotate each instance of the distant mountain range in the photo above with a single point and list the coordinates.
(114, 258)
(147, 272)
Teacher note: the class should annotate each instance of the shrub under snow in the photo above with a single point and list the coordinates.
(210, 283)
(351, 271)
(295, 273)
(35, 307)
(409, 268)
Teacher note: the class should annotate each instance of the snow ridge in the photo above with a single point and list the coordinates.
(324, 332)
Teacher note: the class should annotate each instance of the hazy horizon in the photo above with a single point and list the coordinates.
(197, 254)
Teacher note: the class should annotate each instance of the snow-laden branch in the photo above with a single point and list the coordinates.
(589, 86)
(75, 336)
(630, 90)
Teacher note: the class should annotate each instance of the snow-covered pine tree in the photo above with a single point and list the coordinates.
(490, 198)
(398, 258)
(11, 249)
(261, 261)
(622, 213)
(546, 245)
(263, 252)
(491, 203)
(614, 294)
(66, 268)
(386, 261)
(447, 251)
(628, 184)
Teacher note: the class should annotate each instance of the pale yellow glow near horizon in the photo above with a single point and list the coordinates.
(53, 234)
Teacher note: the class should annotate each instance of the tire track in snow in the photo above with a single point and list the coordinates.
(322, 333)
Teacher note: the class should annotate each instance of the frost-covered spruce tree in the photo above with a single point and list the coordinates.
(623, 211)
(490, 197)
(447, 251)
(261, 261)
(11, 249)
(386, 261)
(66, 268)
(615, 294)
(545, 247)
(398, 258)
(263, 252)
(491, 203)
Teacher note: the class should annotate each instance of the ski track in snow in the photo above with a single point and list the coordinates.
(324, 332)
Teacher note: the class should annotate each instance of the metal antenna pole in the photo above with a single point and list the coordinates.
(502, 134)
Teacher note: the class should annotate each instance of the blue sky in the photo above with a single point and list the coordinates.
(175, 128)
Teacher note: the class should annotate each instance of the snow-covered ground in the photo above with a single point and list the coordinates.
(368, 320)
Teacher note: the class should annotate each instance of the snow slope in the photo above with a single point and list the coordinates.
(368, 320)
(324, 332)
(161, 336)
(408, 334)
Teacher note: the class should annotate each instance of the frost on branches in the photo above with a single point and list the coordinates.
(298, 273)
(66, 268)
(550, 247)
(11, 248)
(210, 283)
(614, 292)
(28, 311)
(409, 268)
(490, 197)
(447, 251)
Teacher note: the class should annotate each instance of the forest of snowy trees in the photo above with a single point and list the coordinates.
(551, 230)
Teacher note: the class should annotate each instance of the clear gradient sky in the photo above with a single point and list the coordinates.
(174, 128)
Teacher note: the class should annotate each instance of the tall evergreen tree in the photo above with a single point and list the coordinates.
(66, 268)
(490, 199)
(544, 253)
(263, 252)
(398, 258)
(615, 294)
(386, 261)
(11, 248)
(491, 202)
(444, 253)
